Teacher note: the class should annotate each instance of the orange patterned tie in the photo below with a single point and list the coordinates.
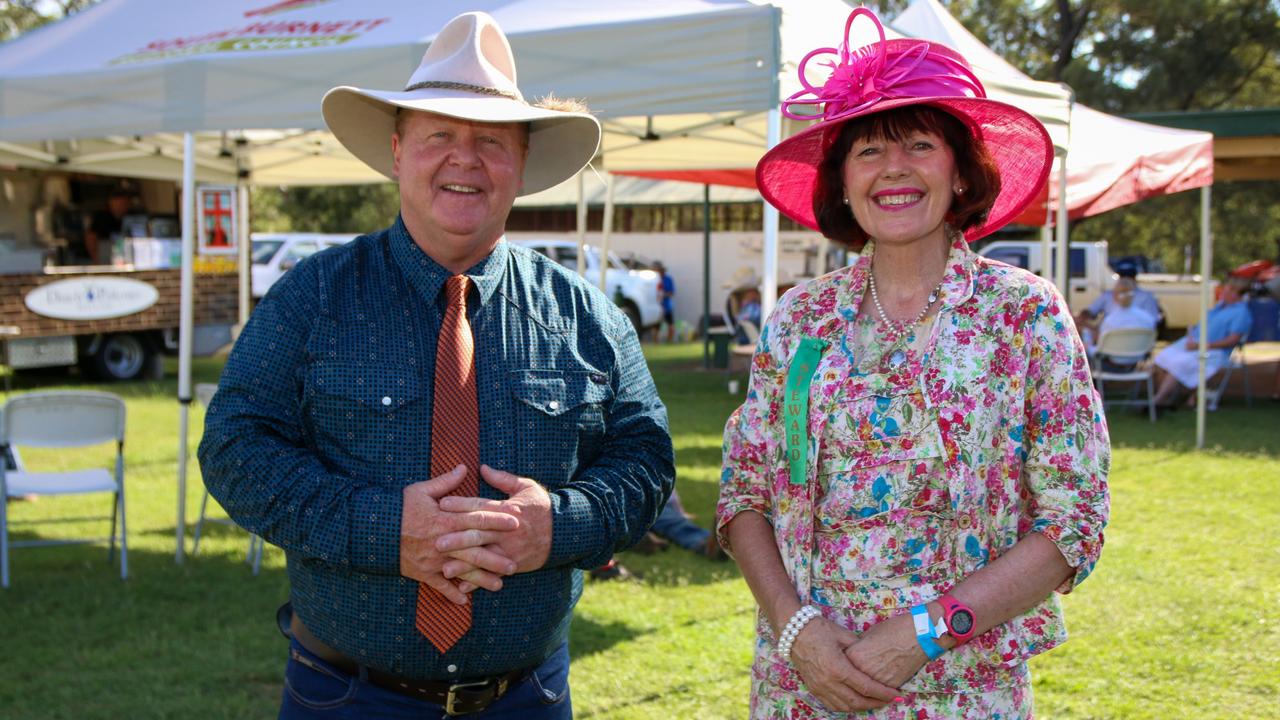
(455, 439)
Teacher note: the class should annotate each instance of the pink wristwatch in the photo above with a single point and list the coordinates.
(958, 618)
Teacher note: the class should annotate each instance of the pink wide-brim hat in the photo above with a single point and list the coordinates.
(895, 73)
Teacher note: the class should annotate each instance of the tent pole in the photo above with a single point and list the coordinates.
(769, 273)
(605, 229)
(1206, 272)
(1061, 271)
(1046, 236)
(1046, 250)
(185, 323)
(582, 227)
(243, 250)
(706, 277)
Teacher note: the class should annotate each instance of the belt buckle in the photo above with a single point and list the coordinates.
(452, 697)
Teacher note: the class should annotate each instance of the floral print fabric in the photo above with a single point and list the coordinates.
(921, 472)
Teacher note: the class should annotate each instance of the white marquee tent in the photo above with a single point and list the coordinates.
(230, 90)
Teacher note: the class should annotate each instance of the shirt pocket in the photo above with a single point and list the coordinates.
(374, 416)
(559, 423)
(884, 523)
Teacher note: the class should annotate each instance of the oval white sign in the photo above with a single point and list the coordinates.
(91, 298)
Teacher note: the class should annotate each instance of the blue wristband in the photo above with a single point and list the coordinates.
(924, 632)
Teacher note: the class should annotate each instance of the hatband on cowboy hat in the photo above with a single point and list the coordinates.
(895, 73)
(469, 73)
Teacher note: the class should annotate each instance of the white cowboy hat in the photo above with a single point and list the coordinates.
(469, 73)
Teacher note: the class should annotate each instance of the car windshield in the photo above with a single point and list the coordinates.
(263, 250)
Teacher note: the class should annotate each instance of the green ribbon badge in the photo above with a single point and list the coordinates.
(795, 410)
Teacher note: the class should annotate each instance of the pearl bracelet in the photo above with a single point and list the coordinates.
(792, 630)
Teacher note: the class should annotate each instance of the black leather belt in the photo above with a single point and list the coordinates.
(458, 698)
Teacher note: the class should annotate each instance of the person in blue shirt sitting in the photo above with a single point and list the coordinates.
(1178, 365)
(442, 430)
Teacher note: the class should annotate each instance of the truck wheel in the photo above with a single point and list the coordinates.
(120, 357)
(633, 315)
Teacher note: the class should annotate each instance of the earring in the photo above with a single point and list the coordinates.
(959, 190)
(845, 200)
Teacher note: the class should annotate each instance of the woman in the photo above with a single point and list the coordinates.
(1178, 365)
(921, 459)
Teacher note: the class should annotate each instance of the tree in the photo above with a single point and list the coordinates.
(19, 16)
(336, 209)
(1126, 56)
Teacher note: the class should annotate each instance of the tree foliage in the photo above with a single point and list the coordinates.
(19, 16)
(336, 209)
(1128, 56)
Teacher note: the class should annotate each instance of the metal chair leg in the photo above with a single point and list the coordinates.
(111, 542)
(4, 534)
(124, 538)
(254, 556)
(204, 503)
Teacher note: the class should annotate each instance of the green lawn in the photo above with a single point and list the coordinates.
(1180, 620)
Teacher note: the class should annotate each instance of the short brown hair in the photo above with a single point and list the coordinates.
(979, 174)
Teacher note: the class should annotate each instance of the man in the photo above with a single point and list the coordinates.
(748, 313)
(102, 227)
(1106, 302)
(666, 294)
(439, 428)
(1122, 314)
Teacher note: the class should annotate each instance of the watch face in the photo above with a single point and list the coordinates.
(961, 622)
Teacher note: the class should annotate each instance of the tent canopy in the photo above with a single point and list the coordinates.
(111, 89)
(680, 85)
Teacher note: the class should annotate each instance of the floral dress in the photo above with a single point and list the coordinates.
(925, 460)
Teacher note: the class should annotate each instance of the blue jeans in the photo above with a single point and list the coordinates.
(674, 526)
(324, 692)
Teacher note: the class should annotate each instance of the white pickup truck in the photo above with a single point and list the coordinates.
(1089, 275)
(635, 291)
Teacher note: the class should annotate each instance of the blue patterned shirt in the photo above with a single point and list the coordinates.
(323, 416)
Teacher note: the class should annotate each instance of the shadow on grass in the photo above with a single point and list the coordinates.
(675, 567)
(74, 632)
(65, 378)
(588, 637)
(658, 694)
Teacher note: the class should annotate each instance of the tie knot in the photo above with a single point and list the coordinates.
(455, 290)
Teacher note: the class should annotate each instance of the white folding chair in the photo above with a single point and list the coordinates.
(1121, 356)
(1214, 391)
(59, 419)
(204, 393)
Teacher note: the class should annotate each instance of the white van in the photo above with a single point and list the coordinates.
(274, 254)
(635, 291)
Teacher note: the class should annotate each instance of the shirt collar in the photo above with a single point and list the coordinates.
(427, 276)
(957, 278)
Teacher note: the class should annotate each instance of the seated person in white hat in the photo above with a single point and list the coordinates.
(439, 428)
(1122, 314)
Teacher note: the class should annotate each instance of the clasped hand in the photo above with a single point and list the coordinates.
(849, 672)
(471, 540)
(820, 655)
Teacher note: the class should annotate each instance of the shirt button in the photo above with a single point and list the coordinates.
(386, 401)
(553, 404)
(452, 668)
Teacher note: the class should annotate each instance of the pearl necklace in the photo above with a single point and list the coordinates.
(897, 330)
